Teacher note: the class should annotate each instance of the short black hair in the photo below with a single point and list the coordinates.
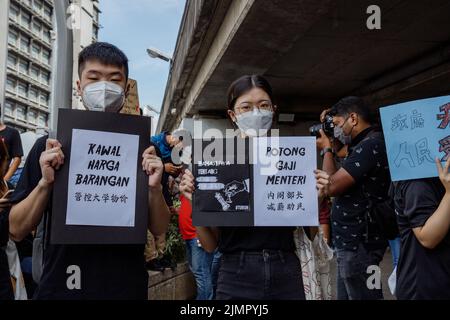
(351, 104)
(105, 53)
(244, 84)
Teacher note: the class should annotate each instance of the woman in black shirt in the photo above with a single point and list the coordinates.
(423, 215)
(257, 262)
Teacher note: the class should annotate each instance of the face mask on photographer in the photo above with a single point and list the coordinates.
(339, 133)
(103, 96)
(252, 122)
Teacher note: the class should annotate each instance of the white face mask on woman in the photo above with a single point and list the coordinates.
(103, 96)
(255, 122)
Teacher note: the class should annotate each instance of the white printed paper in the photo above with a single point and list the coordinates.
(102, 179)
(285, 191)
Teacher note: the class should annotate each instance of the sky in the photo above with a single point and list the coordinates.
(135, 25)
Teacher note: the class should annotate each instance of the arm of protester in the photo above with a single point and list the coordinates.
(356, 166)
(341, 150)
(159, 213)
(329, 165)
(333, 185)
(208, 237)
(340, 182)
(172, 169)
(12, 168)
(26, 215)
(323, 114)
(322, 184)
(437, 226)
(16, 154)
(187, 187)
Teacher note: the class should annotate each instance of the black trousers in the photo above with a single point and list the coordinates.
(264, 275)
(6, 291)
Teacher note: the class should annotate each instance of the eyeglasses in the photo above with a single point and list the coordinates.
(247, 107)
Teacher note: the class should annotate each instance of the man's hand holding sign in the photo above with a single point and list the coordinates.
(154, 168)
(51, 159)
(29, 212)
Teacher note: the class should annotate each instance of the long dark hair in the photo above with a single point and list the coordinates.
(245, 84)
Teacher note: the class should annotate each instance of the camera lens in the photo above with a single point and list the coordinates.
(315, 129)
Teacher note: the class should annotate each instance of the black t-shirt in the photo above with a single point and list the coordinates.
(4, 227)
(107, 271)
(367, 164)
(237, 239)
(5, 279)
(11, 137)
(421, 273)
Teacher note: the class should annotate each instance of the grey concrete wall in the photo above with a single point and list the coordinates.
(172, 285)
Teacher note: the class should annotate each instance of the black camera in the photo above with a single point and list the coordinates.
(327, 126)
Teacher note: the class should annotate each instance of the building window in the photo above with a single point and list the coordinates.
(10, 85)
(22, 89)
(46, 35)
(37, 5)
(21, 112)
(96, 14)
(25, 44)
(46, 56)
(95, 32)
(48, 13)
(36, 28)
(34, 95)
(25, 20)
(27, 2)
(13, 37)
(42, 120)
(44, 99)
(35, 73)
(32, 116)
(45, 77)
(14, 12)
(35, 51)
(12, 61)
(23, 66)
(9, 108)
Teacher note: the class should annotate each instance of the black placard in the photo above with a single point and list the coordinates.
(61, 233)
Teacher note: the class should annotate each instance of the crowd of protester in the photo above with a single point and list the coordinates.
(232, 262)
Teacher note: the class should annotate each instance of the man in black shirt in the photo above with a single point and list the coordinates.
(105, 271)
(364, 174)
(13, 143)
(423, 215)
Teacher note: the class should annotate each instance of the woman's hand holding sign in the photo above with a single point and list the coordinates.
(51, 159)
(187, 184)
(153, 166)
(444, 174)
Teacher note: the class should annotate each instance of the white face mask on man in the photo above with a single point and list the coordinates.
(341, 136)
(103, 96)
(255, 123)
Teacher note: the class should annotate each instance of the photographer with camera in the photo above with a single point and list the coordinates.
(326, 124)
(362, 178)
